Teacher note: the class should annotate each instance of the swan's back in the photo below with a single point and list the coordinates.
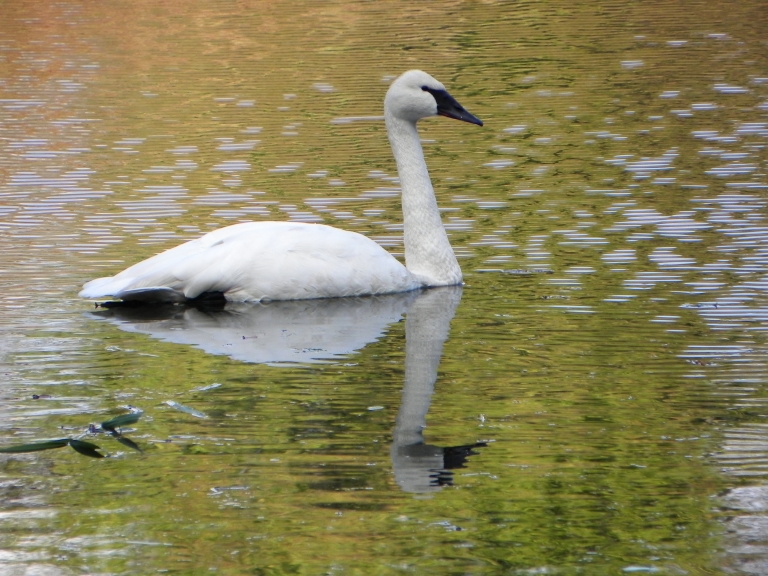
(258, 261)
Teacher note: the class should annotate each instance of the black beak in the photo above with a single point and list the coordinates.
(447, 106)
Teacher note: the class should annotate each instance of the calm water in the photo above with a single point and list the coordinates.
(606, 418)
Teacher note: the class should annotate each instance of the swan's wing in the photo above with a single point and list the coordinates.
(293, 262)
(262, 261)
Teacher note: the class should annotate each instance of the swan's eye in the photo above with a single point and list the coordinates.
(433, 91)
(437, 93)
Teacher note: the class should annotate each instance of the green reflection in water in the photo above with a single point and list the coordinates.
(598, 434)
(595, 454)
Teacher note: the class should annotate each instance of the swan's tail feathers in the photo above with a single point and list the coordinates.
(101, 287)
(109, 287)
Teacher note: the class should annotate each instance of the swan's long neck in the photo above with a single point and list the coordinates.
(428, 254)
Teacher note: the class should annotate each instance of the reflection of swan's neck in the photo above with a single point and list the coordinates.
(428, 254)
(426, 329)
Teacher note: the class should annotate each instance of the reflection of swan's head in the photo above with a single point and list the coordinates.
(416, 95)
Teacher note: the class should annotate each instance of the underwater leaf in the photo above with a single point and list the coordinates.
(130, 443)
(36, 446)
(86, 448)
(122, 420)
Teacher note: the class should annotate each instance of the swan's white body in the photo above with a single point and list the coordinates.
(257, 261)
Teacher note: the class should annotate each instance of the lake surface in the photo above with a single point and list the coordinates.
(594, 400)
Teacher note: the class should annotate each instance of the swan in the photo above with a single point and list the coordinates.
(262, 261)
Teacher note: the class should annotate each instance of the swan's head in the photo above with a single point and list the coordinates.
(416, 95)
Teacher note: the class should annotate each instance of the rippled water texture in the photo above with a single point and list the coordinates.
(608, 417)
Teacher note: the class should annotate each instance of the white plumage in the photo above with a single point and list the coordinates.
(258, 261)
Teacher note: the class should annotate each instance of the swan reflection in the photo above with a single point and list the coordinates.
(296, 331)
(421, 467)
(311, 331)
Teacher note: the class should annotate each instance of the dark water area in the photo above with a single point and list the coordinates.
(591, 401)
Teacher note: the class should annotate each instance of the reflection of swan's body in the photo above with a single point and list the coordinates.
(257, 261)
(303, 331)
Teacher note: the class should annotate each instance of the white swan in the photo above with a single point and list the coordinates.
(258, 261)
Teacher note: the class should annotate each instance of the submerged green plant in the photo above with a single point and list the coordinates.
(112, 426)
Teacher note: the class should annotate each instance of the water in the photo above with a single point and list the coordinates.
(605, 418)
